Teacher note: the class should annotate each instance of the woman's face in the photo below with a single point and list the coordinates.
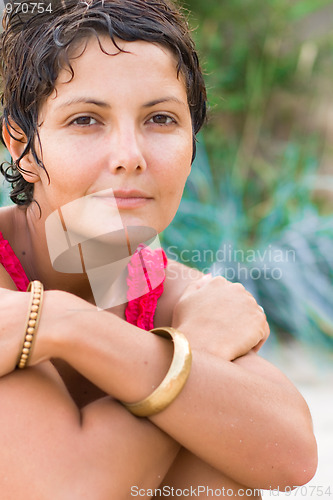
(119, 131)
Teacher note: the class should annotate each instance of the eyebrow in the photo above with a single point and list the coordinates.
(161, 100)
(84, 100)
(103, 104)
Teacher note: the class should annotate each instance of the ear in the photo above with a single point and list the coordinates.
(16, 142)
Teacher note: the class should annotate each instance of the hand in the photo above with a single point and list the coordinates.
(221, 318)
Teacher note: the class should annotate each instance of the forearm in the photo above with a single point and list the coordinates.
(262, 446)
(52, 450)
(254, 429)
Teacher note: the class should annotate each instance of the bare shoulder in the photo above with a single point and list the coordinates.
(178, 277)
(5, 280)
(7, 215)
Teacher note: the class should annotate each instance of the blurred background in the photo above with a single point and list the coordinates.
(259, 201)
(258, 205)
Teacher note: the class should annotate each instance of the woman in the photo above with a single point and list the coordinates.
(102, 101)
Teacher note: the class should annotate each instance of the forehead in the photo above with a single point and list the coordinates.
(99, 64)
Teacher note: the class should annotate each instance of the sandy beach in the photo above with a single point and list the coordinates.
(311, 370)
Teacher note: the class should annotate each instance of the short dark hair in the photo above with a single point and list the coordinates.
(34, 48)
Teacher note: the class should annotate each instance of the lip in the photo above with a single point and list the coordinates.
(130, 193)
(124, 198)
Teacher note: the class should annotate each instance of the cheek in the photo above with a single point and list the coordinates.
(173, 176)
(179, 170)
(173, 159)
(67, 166)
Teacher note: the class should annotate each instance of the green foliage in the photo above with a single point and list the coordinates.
(241, 44)
(248, 210)
(250, 50)
(4, 186)
(284, 257)
(2, 195)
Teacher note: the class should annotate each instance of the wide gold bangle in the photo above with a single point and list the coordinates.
(35, 306)
(173, 382)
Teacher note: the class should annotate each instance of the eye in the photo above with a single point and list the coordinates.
(84, 121)
(162, 120)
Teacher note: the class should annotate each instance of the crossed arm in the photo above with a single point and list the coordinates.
(243, 417)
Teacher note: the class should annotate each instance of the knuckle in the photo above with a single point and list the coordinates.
(238, 286)
(219, 280)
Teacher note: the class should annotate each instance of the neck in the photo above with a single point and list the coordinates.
(36, 258)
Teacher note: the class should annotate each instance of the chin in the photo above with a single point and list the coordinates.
(135, 221)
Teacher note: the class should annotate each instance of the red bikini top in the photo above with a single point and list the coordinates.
(145, 281)
(12, 265)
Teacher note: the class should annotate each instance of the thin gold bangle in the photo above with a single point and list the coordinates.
(36, 288)
(173, 382)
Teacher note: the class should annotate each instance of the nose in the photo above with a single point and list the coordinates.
(127, 151)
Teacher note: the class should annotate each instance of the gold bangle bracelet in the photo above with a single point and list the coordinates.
(35, 306)
(173, 382)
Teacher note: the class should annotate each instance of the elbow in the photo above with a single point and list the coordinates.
(305, 453)
(301, 464)
(306, 462)
(301, 459)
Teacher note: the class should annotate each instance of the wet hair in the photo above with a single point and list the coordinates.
(35, 47)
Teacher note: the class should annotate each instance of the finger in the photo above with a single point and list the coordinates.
(265, 334)
(259, 345)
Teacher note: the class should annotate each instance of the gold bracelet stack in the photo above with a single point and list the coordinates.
(35, 306)
(174, 380)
